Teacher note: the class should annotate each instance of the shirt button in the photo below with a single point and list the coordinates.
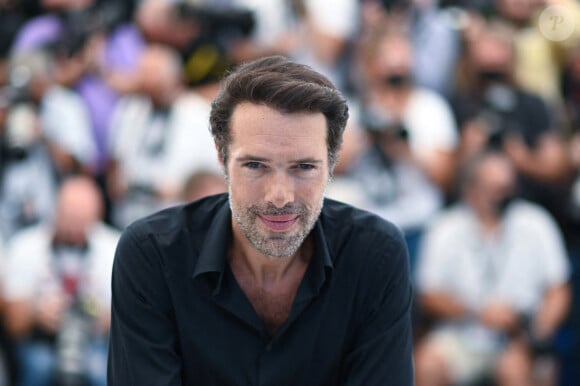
(269, 347)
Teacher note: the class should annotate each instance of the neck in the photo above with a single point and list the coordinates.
(489, 223)
(266, 271)
(165, 99)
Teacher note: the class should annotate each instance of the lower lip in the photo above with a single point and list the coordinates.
(279, 226)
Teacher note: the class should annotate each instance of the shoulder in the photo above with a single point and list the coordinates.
(423, 97)
(105, 234)
(529, 99)
(427, 106)
(58, 94)
(131, 103)
(34, 237)
(190, 106)
(341, 217)
(453, 220)
(528, 215)
(193, 99)
(353, 232)
(176, 231)
(190, 218)
(31, 243)
(169, 242)
(371, 252)
(447, 236)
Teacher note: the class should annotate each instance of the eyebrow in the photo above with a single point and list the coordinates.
(248, 158)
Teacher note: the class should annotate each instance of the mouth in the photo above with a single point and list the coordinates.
(279, 223)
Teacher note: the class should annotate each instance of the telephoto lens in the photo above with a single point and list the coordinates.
(72, 347)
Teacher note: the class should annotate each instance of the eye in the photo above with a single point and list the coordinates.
(253, 165)
(306, 166)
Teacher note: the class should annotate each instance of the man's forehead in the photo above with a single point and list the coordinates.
(265, 121)
(263, 133)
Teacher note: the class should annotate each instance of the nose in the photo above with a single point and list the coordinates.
(280, 189)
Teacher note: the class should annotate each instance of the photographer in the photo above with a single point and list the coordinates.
(436, 43)
(493, 276)
(404, 173)
(390, 91)
(46, 136)
(158, 138)
(205, 35)
(494, 112)
(96, 49)
(56, 284)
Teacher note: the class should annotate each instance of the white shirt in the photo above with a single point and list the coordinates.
(29, 270)
(430, 123)
(187, 141)
(527, 258)
(66, 121)
(27, 191)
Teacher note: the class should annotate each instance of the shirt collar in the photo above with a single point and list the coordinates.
(320, 266)
(212, 258)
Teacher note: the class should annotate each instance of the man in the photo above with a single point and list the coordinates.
(415, 123)
(55, 272)
(47, 136)
(406, 167)
(270, 284)
(493, 274)
(494, 112)
(159, 137)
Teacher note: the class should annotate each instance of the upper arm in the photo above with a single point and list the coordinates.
(143, 341)
(382, 350)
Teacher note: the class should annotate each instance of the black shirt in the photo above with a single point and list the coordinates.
(180, 318)
(527, 115)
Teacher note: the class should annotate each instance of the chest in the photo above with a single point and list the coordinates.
(272, 305)
(510, 272)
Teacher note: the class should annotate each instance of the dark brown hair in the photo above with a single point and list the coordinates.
(286, 86)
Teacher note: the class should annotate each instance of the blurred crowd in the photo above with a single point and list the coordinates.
(464, 131)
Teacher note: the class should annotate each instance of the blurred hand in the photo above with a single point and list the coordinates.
(474, 137)
(50, 309)
(499, 316)
(516, 149)
(396, 147)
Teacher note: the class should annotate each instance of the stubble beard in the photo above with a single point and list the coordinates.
(275, 244)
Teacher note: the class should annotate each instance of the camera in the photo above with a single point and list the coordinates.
(390, 5)
(218, 21)
(79, 26)
(377, 120)
(20, 132)
(499, 104)
(208, 53)
(72, 345)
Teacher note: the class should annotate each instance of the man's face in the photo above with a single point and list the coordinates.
(277, 174)
(519, 11)
(491, 55)
(391, 69)
(496, 182)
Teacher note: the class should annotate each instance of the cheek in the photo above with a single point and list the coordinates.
(311, 191)
(243, 191)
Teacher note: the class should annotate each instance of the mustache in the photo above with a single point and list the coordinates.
(272, 210)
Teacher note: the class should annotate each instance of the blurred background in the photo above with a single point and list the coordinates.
(464, 131)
